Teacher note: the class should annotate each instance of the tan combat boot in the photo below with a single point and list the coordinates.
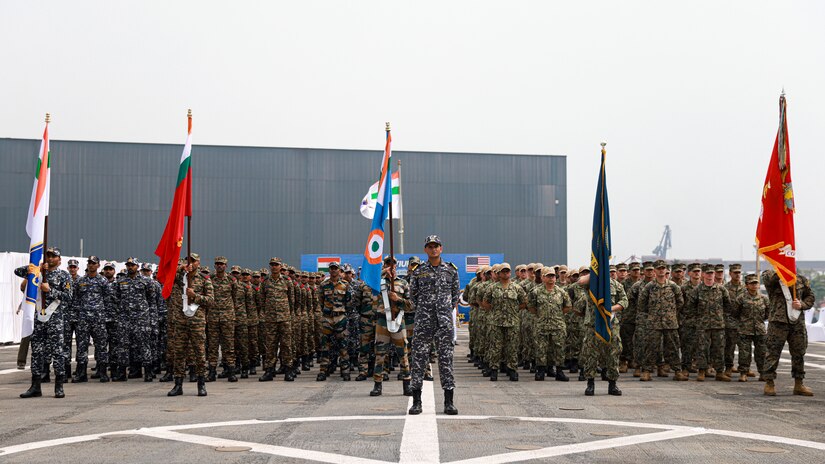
(729, 372)
(802, 390)
(711, 371)
(623, 367)
(743, 376)
(645, 377)
(721, 377)
(637, 372)
(680, 376)
(661, 372)
(770, 390)
(734, 370)
(751, 373)
(700, 377)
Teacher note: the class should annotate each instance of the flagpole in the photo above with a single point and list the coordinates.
(401, 215)
(46, 219)
(189, 218)
(389, 174)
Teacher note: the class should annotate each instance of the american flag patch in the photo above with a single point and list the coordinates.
(474, 262)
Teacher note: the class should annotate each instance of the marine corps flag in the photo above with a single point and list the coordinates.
(775, 232)
(600, 259)
(374, 251)
(168, 249)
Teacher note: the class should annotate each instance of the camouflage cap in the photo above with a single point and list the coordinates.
(547, 270)
(390, 259)
(53, 251)
(246, 271)
(264, 271)
(347, 268)
(496, 268)
(93, 259)
(146, 267)
(635, 266)
(432, 239)
(520, 267)
(708, 268)
(133, 261)
(235, 268)
(109, 264)
(735, 267)
(621, 267)
(194, 256)
(334, 264)
(751, 279)
(539, 265)
(73, 262)
(573, 271)
(679, 267)
(659, 263)
(504, 266)
(562, 268)
(584, 269)
(612, 268)
(486, 269)
(256, 273)
(694, 267)
(415, 259)
(648, 265)
(719, 268)
(205, 270)
(275, 260)
(221, 260)
(531, 266)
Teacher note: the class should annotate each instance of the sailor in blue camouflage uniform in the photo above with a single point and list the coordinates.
(70, 319)
(434, 291)
(47, 337)
(110, 317)
(158, 319)
(90, 293)
(135, 295)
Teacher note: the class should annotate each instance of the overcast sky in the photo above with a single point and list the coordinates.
(685, 94)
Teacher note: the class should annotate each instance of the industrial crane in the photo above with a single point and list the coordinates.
(664, 244)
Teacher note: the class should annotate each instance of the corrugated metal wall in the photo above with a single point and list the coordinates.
(251, 203)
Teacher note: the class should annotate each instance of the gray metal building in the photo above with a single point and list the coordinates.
(250, 203)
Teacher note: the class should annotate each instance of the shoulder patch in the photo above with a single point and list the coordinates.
(452, 265)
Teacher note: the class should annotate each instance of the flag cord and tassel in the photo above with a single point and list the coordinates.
(401, 216)
(389, 216)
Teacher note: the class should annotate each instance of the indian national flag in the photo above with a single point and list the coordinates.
(368, 203)
(168, 249)
(323, 262)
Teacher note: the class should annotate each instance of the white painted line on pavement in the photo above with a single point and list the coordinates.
(807, 364)
(419, 440)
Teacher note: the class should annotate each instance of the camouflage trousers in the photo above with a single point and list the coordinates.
(427, 333)
(628, 331)
(640, 343)
(503, 347)
(596, 353)
(252, 335)
(575, 335)
(549, 347)
(47, 342)
(334, 338)
(368, 338)
(163, 338)
(689, 342)
(731, 341)
(262, 346)
(87, 328)
(111, 342)
(752, 347)
(384, 340)
(278, 344)
(409, 325)
(662, 341)
(526, 351)
(778, 333)
(220, 332)
(241, 340)
(134, 342)
(353, 331)
(188, 340)
(154, 334)
(69, 330)
(711, 349)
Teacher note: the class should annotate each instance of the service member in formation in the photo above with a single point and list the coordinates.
(736, 288)
(504, 301)
(434, 287)
(549, 303)
(277, 316)
(135, 296)
(398, 294)
(91, 292)
(782, 329)
(335, 297)
(752, 311)
(709, 301)
(220, 323)
(658, 303)
(47, 337)
(189, 332)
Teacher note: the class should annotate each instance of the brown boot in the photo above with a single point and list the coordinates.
(645, 377)
(700, 377)
(743, 377)
(680, 376)
(770, 390)
(661, 372)
(729, 372)
(721, 377)
(734, 370)
(623, 367)
(711, 371)
(751, 373)
(666, 368)
(637, 372)
(802, 390)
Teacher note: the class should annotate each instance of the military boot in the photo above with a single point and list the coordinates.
(493, 375)
(449, 407)
(729, 372)
(743, 376)
(80, 375)
(167, 377)
(267, 377)
(34, 390)
(637, 372)
(574, 366)
(405, 388)
(305, 363)
(244, 372)
(539, 374)
(751, 373)
(680, 376)
(581, 375)
(645, 377)
(604, 374)
(513, 375)
(101, 370)
(721, 377)
(192, 376)
(591, 388)
(253, 369)
(231, 377)
(612, 389)
(281, 370)
(58, 388)
(225, 372)
(345, 376)
(661, 372)
(321, 376)
(560, 375)
(700, 376)
(290, 375)
(361, 377)
(770, 389)
(134, 372)
(96, 373)
(123, 373)
(623, 367)
(147, 374)
(376, 389)
(551, 371)
(212, 375)
(416, 405)
(800, 389)
(201, 386)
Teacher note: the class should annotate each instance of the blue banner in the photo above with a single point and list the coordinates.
(600, 259)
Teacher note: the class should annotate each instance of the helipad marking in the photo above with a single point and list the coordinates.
(419, 440)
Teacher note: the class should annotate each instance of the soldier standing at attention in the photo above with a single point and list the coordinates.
(91, 292)
(781, 329)
(70, 319)
(135, 295)
(688, 320)
(398, 294)
(735, 289)
(220, 323)
(335, 297)
(47, 337)
(752, 311)
(658, 303)
(434, 287)
(275, 299)
(549, 303)
(189, 333)
(709, 301)
(505, 301)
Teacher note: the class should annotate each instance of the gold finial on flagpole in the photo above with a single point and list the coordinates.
(189, 113)
(388, 126)
(48, 118)
(604, 144)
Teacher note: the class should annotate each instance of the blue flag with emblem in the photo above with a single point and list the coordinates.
(374, 252)
(600, 259)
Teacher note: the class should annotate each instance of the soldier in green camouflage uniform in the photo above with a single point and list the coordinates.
(781, 329)
(275, 296)
(689, 320)
(477, 318)
(504, 300)
(398, 294)
(752, 310)
(658, 304)
(220, 322)
(189, 333)
(335, 296)
(241, 325)
(641, 331)
(526, 326)
(251, 323)
(710, 301)
(361, 305)
(736, 288)
(596, 352)
(471, 327)
(256, 293)
(549, 303)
